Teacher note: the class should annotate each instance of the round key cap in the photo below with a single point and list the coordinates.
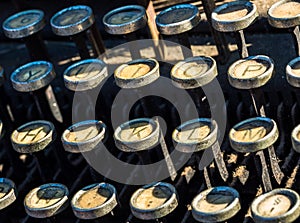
(154, 201)
(94, 201)
(279, 205)
(46, 200)
(251, 72)
(32, 76)
(284, 14)
(216, 204)
(33, 136)
(8, 192)
(194, 72)
(234, 16)
(253, 134)
(72, 20)
(85, 74)
(137, 73)
(195, 135)
(24, 24)
(293, 72)
(83, 136)
(124, 20)
(137, 135)
(177, 19)
(296, 138)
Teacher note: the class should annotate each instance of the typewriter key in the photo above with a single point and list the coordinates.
(34, 137)
(154, 201)
(83, 136)
(141, 135)
(234, 17)
(278, 205)
(253, 135)
(216, 204)
(35, 78)
(94, 201)
(46, 201)
(296, 138)
(78, 23)
(286, 14)
(85, 75)
(197, 135)
(193, 73)
(8, 192)
(136, 74)
(178, 20)
(27, 25)
(251, 72)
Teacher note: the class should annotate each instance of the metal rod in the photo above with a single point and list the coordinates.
(220, 161)
(134, 50)
(241, 44)
(36, 47)
(184, 41)
(80, 42)
(96, 40)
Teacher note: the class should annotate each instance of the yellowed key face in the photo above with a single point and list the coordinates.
(250, 69)
(275, 205)
(191, 69)
(71, 17)
(83, 133)
(153, 197)
(176, 15)
(233, 13)
(124, 17)
(4, 189)
(93, 198)
(287, 10)
(191, 134)
(83, 72)
(45, 197)
(250, 134)
(136, 132)
(24, 20)
(215, 201)
(134, 71)
(31, 134)
(32, 73)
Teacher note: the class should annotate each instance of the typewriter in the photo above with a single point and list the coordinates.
(150, 111)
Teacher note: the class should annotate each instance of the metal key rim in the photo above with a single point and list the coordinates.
(135, 146)
(178, 27)
(207, 142)
(75, 28)
(50, 210)
(261, 144)
(234, 25)
(35, 84)
(278, 22)
(291, 77)
(11, 196)
(36, 146)
(88, 145)
(16, 33)
(295, 140)
(99, 211)
(141, 81)
(254, 82)
(217, 216)
(196, 81)
(155, 213)
(291, 215)
(85, 84)
(126, 27)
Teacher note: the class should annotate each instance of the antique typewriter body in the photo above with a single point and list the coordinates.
(238, 165)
